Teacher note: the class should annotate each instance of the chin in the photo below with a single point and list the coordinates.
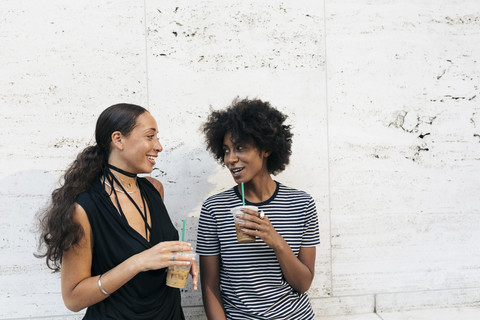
(143, 170)
(239, 180)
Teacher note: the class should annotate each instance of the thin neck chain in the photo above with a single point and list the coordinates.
(129, 184)
(129, 192)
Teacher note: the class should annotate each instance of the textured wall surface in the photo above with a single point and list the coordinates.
(383, 97)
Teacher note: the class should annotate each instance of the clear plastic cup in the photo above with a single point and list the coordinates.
(237, 216)
(177, 276)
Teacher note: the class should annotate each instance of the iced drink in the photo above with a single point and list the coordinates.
(177, 276)
(237, 216)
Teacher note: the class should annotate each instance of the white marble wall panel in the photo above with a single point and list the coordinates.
(335, 306)
(394, 302)
(364, 316)
(403, 126)
(437, 314)
(201, 56)
(61, 65)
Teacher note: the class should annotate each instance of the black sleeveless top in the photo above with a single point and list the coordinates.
(145, 296)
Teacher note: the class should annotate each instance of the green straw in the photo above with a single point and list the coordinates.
(243, 195)
(183, 231)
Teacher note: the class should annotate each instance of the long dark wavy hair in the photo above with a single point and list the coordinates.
(58, 231)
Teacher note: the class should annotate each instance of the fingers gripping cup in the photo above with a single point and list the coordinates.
(237, 216)
(177, 276)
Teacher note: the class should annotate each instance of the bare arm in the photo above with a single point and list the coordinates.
(158, 185)
(211, 295)
(80, 289)
(298, 272)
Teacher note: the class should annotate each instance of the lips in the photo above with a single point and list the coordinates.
(151, 159)
(236, 171)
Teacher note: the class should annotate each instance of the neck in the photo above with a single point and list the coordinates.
(259, 190)
(126, 182)
(123, 172)
(127, 179)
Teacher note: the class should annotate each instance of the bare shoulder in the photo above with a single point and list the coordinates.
(157, 184)
(80, 217)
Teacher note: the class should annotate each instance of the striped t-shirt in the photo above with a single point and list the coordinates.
(251, 280)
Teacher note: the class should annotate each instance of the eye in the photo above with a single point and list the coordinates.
(239, 148)
(150, 137)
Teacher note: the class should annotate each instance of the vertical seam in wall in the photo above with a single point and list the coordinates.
(379, 316)
(328, 144)
(375, 311)
(147, 88)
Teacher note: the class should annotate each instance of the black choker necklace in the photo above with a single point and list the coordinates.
(126, 173)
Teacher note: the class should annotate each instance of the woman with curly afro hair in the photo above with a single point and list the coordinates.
(266, 278)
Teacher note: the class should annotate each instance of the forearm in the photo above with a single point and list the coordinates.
(87, 291)
(297, 274)
(211, 294)
(212, 301)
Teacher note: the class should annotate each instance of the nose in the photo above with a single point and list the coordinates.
(158, 147)
(231, 157)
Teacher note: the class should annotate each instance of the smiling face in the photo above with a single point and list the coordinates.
(141, 147)
(244, 160)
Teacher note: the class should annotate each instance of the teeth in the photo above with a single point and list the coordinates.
(236, 170)
(151, 158)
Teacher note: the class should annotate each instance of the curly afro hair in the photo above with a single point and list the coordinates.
(251, 121)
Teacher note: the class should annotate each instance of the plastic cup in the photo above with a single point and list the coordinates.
(177, 276)
(237, 216)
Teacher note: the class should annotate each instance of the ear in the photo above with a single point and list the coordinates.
(117, 140)
(266, 154)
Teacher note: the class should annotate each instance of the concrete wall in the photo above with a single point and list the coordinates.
(383, 97)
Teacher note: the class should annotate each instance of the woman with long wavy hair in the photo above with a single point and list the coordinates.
(108, 231)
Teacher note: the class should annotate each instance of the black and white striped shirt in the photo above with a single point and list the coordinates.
(251, 280)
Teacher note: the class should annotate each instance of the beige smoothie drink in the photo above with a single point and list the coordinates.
(177, 276)
(237, 216)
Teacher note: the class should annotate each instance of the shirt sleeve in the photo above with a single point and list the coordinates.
(207, 238)
(311, 235)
